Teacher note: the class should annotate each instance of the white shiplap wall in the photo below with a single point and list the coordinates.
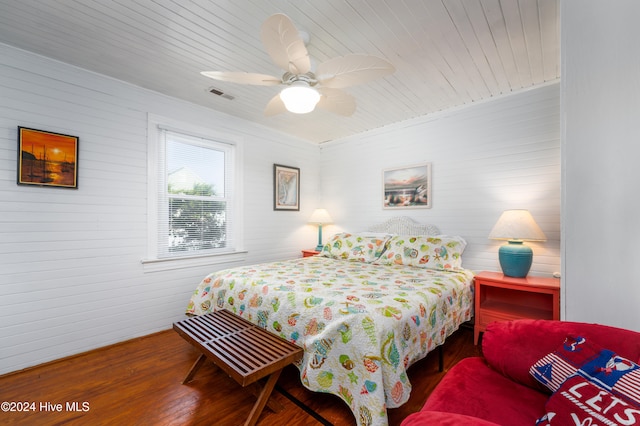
(485, 158)
(71, 277)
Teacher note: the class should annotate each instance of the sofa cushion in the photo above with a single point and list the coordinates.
(512, 347)
(579, 401)
(422, 418)
(581, 356)
(472, 388)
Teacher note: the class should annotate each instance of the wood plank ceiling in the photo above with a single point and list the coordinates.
(447, 53)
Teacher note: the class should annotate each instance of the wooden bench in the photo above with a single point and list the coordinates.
(246, 352)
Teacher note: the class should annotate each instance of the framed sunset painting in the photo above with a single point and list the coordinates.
(47, 158)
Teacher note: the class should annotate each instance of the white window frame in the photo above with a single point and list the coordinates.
(153, 261)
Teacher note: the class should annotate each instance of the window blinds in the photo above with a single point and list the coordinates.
(195, 195)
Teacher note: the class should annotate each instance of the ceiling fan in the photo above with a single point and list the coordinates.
(305, 89)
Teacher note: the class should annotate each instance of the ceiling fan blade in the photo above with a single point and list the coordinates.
(284, 45)
(345, 71)
(336, 101)
(275, 106)
(243, 77)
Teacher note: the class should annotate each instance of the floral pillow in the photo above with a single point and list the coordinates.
(361, 247)
(432, 252)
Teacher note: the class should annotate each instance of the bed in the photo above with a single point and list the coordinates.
(367, 307)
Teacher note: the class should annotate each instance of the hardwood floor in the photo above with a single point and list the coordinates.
(139, 383)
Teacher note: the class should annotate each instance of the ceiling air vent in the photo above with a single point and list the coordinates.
(221, 93)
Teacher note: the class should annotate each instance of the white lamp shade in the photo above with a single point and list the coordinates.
(299, 98)
(517, 225)
(320, 216)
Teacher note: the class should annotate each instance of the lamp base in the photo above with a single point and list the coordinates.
(515, 259)
(319, 246)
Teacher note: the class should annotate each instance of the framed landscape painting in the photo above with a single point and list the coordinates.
(47, 158)
(286, 188)
(407, 187)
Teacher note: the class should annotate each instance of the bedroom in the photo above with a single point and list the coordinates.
(71, 272)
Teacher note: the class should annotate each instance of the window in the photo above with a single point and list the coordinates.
(194, 208)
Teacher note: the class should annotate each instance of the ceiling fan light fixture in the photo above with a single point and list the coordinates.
(306, 88)
(299, 97)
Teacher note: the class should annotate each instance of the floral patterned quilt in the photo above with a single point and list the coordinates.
(361, 325)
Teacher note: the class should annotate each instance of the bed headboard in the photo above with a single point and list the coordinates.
(403, 225)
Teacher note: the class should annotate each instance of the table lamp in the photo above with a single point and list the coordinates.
(516, 226)
(320, 217)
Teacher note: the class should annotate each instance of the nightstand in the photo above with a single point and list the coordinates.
(310, 252)
(500, 298)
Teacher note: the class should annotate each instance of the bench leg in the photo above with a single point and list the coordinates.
(194, 368)
(262, 399)
(272, 403)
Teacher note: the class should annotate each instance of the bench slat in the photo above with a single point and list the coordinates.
(243, 350)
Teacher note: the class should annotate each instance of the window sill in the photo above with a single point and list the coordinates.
(157, 265)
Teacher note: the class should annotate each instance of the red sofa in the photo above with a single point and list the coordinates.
(498, 388)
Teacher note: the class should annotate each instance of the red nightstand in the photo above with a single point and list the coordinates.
(500, 298)
(310, 252)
